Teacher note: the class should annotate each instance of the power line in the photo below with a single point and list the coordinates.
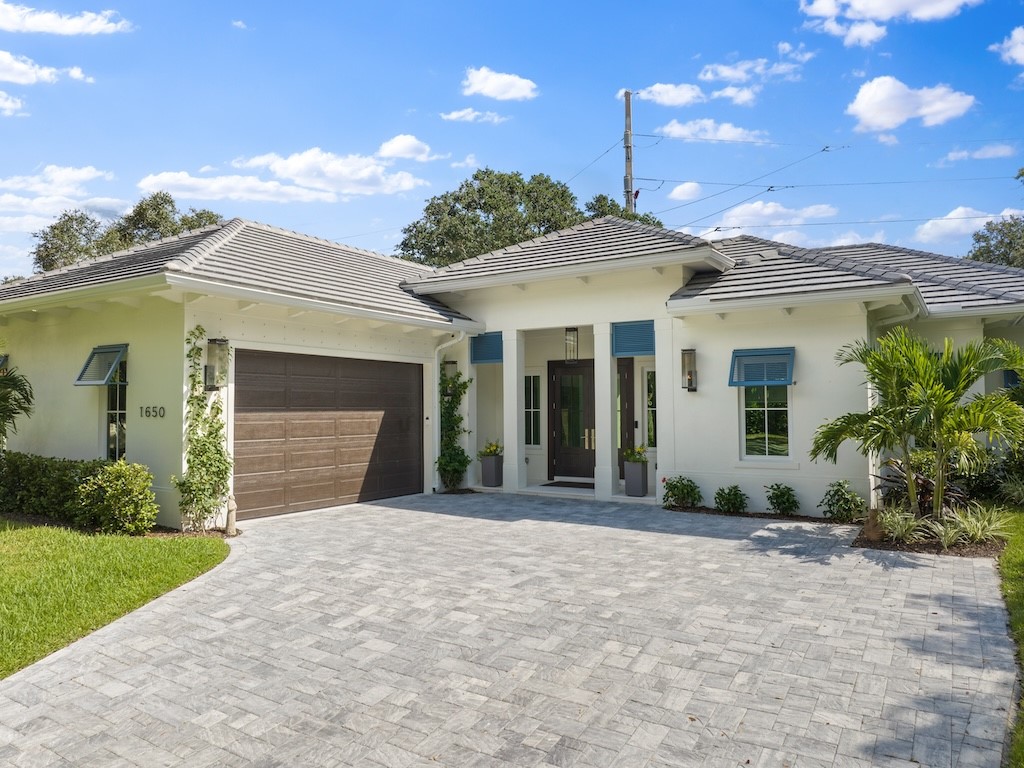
(770, 143)
(581, 170)
(847, 223)
(829, 184)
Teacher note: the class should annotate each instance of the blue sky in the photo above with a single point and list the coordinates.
(815, 122)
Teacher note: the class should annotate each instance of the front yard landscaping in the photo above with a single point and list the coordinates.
(1011, 566)
(57, 585)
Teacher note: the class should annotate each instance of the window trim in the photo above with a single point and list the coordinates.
(740, 357)
(536, 408)
(645, 372)
(764, 457)
(89, 378)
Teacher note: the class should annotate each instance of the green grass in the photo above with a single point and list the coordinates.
(1011, 566)
(57, 585)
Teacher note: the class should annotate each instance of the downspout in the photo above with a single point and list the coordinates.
(437, 400)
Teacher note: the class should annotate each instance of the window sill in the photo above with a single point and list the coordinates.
(755, 463)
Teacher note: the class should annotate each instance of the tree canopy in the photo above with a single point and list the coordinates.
(77, 235)
(1001, 242)
(492, 210)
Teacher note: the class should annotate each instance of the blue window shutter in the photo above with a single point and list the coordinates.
(101, 365)
(633, 339)
(762, 367)
(485, 348)
(1011, 379)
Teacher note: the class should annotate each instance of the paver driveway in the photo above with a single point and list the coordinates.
(485, 630)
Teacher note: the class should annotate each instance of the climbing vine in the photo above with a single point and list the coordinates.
(452, 459)
(205, 483)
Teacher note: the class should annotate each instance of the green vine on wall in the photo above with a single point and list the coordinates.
(205, 483)
(452, 459)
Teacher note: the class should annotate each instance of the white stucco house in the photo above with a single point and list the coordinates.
(716, 355)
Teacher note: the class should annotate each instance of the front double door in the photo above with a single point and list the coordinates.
(572, 440)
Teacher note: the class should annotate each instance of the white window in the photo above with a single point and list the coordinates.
(651, 407)
(532, 410)
(764, 377)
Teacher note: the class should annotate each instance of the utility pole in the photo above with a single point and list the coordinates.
(627, 144)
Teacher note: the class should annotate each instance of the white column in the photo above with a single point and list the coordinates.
(472, 417)
(668, 378)
(513, 401)
(606, 469)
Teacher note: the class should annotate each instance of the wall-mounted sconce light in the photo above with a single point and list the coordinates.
(449, 370)
(4, 359)
(689, 359)
(572, 345)
(215, 372)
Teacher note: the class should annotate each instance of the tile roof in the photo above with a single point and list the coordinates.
(604, 241)
(247, 255)
(766, 268)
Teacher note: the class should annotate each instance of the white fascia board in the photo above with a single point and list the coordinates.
(213, 288)
(66, 296)
(684, 307)
(699, 255)
(978, 311)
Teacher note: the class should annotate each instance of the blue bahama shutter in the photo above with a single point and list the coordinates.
(633, 339)
(485, 348)
(762, 367)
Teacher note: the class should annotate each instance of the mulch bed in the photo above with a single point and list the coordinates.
(987, 549)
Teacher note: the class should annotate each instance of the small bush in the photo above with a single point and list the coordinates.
(681, 492)
(118, 499)
(841, 503)
(1012, 490)
(782, 499)
(946, 531)
(731, 499)
(980, 523)
(900, 525)
(44, 486)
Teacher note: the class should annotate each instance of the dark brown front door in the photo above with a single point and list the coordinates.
(571, 446)
(626, 409)
(313, 432)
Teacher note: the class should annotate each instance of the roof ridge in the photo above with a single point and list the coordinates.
(832, 261)
(192, 256)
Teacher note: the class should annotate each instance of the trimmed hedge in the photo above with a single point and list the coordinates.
(95, 494)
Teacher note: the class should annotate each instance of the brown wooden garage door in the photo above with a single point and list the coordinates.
(313, 432)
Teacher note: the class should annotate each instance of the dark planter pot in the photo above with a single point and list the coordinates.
(636, 478)
(491, 470)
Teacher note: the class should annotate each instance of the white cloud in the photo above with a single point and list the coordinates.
(408, 147)
(23, 224)
(960, 222)
(885, 103)
(1011, 50)
(988, 152)
(469, 162)
(688, 190)
(21, 18)
(670, 95)
(76, 73)
(23, 71)
(744, 71)
(66, 181)
(239, 24)
(208, 169)
(798, 54)
(9, 105)
(498, 85)
(743, 97)
(888, 139)
(470, 115)
(706, 129)
(235, 187)
(341, 174)
(761, 213)
(856, 20)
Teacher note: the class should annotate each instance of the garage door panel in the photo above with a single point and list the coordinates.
(312, 431)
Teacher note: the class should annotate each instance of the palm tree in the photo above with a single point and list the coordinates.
(921, 401)
(15, 401)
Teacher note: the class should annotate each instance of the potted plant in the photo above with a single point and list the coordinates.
(635, 465)
(491, 459)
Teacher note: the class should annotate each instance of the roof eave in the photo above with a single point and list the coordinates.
(64, 296)
(228, 291)
(684, 307)
(688, 257)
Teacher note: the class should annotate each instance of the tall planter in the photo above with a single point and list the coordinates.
(636, 478)
(491, 470)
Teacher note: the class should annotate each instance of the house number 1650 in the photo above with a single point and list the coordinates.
(152, 411)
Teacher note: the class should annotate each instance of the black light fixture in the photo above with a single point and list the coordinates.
(215, 372)
(4, 359)
(572, 345)
(689, 361)
(449, 370)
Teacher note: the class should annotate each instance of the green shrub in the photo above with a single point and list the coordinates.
(980, 523)
(901, 525)
(782, 499)
(118, 499)
(1012, 490)
(731, 499)
(681, 492)
(841, 503)
(44, 486)
(946, 531)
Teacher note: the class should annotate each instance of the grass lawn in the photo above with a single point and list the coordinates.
(58, 585)
(1011, 565)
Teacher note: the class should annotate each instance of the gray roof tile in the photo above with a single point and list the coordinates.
(247, 255)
